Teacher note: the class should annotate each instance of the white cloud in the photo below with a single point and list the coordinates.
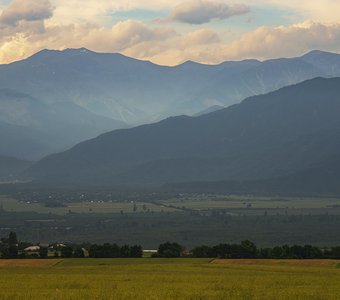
(119, 38)
(201, 36)
(75, 11)
(203, 11)
(166, 46)
(26, 29)
(26, 10)
(283, 41)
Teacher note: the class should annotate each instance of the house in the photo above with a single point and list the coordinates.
(32, 249)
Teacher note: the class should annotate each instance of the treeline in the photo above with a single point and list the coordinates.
(247, 249)
(113, 250)
(11, 248)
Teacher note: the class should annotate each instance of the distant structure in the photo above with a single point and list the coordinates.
(2, 206)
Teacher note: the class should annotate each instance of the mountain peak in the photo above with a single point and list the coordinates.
(318, 53)
(77, 50)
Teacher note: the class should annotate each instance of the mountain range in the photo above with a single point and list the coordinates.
(137, 92)
(288, 134)
(54, 99)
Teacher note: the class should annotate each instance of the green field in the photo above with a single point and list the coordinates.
(12, 205)
(256, 205)
(202, 204)
(189, 220)
(169, 279)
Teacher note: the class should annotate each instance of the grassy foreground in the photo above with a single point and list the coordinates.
(169, 279)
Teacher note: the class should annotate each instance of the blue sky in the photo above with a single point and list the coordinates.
(170, 32)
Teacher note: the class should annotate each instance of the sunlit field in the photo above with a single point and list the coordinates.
(169, 279)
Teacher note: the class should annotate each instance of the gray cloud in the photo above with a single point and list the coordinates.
(203, 11)
(26, 10)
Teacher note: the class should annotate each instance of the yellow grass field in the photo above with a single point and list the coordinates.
(164, 279)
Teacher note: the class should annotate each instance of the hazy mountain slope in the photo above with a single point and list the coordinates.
(262, 78)
(10, 167)
(325, 61)
(31, 128)
(265, 136)
(321, 178)
(208, 110)
(137, 92)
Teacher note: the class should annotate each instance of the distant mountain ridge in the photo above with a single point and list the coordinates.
(268, 136)
(11, 167)
(137, 92)
(31, 129)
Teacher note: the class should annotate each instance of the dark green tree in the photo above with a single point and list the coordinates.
(12, 238)
(67, 251)
(125, 251)
(78, 252)
(170, 250)
(136, 251)
(202, 251)
(43, 252)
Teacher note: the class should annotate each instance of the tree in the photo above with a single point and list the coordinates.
(105, 251)
(12, 250)
(170, 250)
(12, 238)
(125, 251)
(202, 251)
(136, 251)
(67, 251)
(78, 252)
(249, 249)
(43, 252)
(335, 253)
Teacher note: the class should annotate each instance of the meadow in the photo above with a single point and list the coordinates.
(234, 205)
(255, 205)
(169, 279)
(13, 205)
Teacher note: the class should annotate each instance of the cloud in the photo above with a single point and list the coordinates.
(204, 11)
(267, 42)
(29, 27)
(26, 10)
(165, 46)
(121, 37)
(263, 43)
(201, 36)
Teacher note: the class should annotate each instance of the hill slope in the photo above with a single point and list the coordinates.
(10, 167)
(265, 136)
(31, 129)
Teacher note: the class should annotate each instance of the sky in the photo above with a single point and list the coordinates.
(169, 32)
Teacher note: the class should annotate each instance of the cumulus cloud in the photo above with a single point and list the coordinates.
(166, 46)
(201, 36)
(203, 11)
(263, 43)
(266, 42)
(28, 28)
(121, 37)
(26, 10)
